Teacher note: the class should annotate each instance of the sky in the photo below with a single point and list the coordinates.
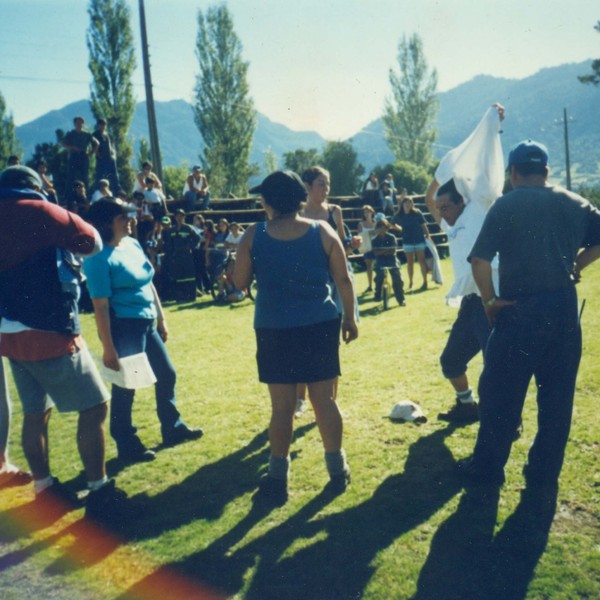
(314, 65)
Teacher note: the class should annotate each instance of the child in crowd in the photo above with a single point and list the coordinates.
(384, 246)
(226, 289)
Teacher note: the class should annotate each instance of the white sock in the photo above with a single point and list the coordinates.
(466, 397)
(96, 485)
(39, 485)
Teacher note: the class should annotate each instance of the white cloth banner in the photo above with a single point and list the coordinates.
(477, 165)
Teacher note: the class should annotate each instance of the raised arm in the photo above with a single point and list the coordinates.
(430, 201)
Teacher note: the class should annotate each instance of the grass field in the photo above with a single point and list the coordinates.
(404, 528)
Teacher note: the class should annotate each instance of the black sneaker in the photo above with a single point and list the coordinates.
(271, 490)
(108, 505)
(472, 474)
(461, 412)
(180, 434)
(338, 483)
(58, 495)
(137, 454)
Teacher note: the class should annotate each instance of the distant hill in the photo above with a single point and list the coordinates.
(534, 109)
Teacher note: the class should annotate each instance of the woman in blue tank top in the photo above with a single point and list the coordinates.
(296, 322)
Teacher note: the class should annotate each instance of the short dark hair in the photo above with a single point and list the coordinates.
(526, 169)
(450, 188)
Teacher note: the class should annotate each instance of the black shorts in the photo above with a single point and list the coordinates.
(299, 354)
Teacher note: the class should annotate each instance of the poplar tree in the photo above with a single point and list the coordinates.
(8, 140)
(224, 111)
(341, 160)
(410, 114)
(112, 62)
(594, 76)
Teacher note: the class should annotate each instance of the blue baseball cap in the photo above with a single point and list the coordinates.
(528, 152)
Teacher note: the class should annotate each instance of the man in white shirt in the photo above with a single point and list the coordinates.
(459, 201)
(196, 189)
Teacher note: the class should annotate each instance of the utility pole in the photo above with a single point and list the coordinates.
(567, 156)
(152, 129)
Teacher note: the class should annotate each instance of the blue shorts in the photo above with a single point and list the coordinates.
(414, 247)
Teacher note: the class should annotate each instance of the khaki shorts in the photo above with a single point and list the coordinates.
(72, 383)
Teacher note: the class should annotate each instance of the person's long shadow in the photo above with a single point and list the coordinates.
(205, 493)
(467, 561)
(337, 564)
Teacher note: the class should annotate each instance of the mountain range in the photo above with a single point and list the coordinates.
(534, 108)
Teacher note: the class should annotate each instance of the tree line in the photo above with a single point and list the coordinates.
(225, 115)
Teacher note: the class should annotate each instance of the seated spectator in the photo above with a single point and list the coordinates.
(77, 200)
(226, 290)
(372, 194)
(103, 191)
(13, 160)
(195, 189)
(145, 173)
(387, 199)
(47, 184)
(216, 252)
(234, 237)
(154, 200)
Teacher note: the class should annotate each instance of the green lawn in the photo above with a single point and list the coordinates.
(404, 528)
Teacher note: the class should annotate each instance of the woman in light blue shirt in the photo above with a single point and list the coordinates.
(126, 307)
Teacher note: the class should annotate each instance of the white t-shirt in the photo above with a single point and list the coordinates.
(461, 237)
(477, 167)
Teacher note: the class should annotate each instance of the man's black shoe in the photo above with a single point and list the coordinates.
(140, 454)
(58, 495)
(180, 434)
(472, 474)
(108, 505)
(461, 412)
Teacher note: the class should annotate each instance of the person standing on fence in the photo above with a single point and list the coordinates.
(80, 144)
(476, 168)
(106, 157)
(297, 322)
(538, 231)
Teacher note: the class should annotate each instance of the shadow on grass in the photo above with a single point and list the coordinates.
(205, 493)
(467, 561)
(335, 561)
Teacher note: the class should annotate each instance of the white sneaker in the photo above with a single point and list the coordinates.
(300, 407)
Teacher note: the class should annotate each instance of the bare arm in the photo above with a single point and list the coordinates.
(244, 269)
(585, 258)
(161, 324)
(482, 273)
(430, 201)
(110, 358)
(338, 267)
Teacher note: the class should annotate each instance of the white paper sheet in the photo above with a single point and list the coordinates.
(135, 372)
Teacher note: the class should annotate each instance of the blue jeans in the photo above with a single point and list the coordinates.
(132, 336)
(539, 337)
